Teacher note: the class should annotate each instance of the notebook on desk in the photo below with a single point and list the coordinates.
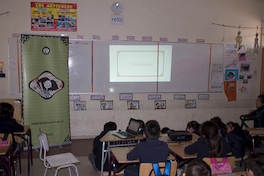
(131, 131)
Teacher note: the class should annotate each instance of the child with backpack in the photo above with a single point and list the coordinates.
(150, 151)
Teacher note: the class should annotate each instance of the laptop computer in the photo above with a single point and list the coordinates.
(131, 131)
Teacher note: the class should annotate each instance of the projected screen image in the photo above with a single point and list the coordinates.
(140, 63)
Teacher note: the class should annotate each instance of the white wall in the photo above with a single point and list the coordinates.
(191, 19)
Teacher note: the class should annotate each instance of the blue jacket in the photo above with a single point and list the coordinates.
(236, 140)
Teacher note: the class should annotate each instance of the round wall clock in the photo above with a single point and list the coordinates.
(117, 8)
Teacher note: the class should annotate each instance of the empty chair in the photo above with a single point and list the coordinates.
(56, 162)
(147, 168)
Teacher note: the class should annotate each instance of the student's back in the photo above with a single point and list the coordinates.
(7, 123)
(211, 145)
(150, 151)
(255, 164)
(236, 139)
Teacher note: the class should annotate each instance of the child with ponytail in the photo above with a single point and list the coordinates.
(210, 144)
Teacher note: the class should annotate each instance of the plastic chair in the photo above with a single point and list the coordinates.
(231, 161)
(146, 168)
(56, 162)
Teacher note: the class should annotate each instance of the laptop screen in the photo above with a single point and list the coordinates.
(133, 126)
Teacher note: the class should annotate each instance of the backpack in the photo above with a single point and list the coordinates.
(221, 167)
(157, 172)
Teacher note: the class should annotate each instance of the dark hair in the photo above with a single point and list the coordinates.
(6, 110)
(152, 129)
(165, 130)
(220, 125)
(214, 145)
(197, 167)
(110, 126)
(193, 124)
(255, 163)
(261, 97)
(236, 126)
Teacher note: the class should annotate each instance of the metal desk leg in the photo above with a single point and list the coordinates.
(102, 159)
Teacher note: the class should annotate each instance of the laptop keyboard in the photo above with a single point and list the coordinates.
(126, 134)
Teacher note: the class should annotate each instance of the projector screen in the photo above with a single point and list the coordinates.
(140, 63)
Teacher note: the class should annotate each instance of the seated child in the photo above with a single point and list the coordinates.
(197, 167)
(210, 144)
(8, 124)
(235, 138)
(150, 151)
(96, 156)
(221, 127)
(193, 127)
(255, 164)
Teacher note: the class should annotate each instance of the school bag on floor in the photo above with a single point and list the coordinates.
(157, 172)
(221, 167)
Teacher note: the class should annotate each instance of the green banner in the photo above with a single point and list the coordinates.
(45, 88)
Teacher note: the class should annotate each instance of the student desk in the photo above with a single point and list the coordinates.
(7, 149)
(255, 132)
(120, 155)
(109, 137)
(27, 132)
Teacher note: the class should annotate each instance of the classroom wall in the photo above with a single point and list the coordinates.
(173, 19)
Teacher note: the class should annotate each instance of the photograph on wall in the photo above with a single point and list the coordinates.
(189, 104)
(160, 104)
(245, 67)
(231, 74)
(242, 56)
(46, 16)
(106, 105)
(80, 106)
(132, 105)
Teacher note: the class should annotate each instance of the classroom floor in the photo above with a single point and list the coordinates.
(81, 148)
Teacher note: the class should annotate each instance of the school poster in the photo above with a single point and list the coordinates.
(45, 86)
(46, 16)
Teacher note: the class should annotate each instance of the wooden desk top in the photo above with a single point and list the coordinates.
(4, 149)
(109, 137)
(255, 131)
(120, 154)
(179, 150)
(26, 127)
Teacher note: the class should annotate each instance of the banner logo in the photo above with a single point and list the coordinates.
(46, 85)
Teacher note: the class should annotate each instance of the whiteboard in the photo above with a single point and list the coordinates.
(190, 68)
(80, 66)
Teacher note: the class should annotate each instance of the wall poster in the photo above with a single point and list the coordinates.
(47, 16)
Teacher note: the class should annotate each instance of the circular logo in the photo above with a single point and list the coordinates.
(46, 50)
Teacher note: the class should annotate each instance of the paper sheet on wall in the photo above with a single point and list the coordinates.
(231, 50)
(231, 63)
(217, 73)
(230, 90)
